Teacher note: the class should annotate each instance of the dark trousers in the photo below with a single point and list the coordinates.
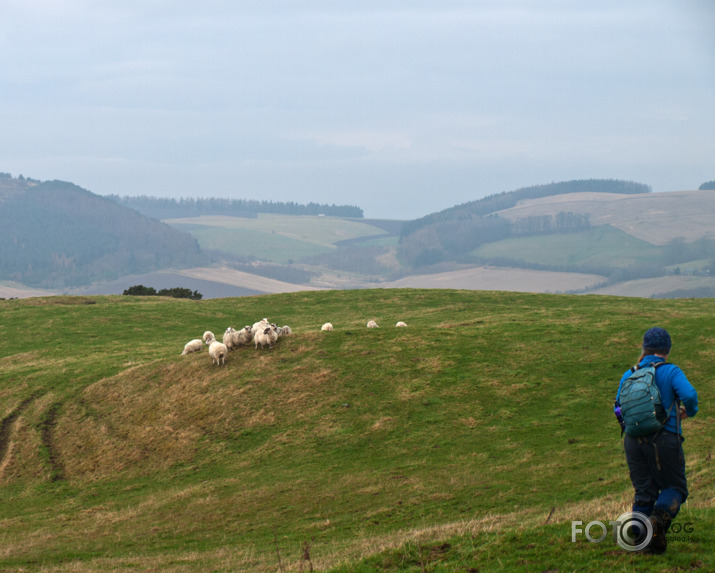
(657, 466)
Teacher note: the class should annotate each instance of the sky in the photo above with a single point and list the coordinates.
(402, 108)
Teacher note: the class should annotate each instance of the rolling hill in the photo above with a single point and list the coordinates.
(586, 236)
(469, 440)
(633, 242)
(657, 218)
(55, 235)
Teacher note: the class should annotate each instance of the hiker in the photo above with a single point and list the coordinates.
(656, 461)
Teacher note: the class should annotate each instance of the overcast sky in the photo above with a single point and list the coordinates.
(400, 107)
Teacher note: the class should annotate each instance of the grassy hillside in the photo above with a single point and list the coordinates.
(467, 441)
(600, 247)
(275, 238)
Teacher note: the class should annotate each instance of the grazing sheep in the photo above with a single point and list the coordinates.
(327, 327)
(372, 324)
(285, 331)
(217, 351)
(194, 345)
(207, 335)
(267, 336)
(400, 324)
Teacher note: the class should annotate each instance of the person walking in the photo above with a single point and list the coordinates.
(656, 461)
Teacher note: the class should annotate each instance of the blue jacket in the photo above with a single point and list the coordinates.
(672, 383)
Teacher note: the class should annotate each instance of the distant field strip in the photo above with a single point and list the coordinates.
(603, 245)
(492, 278)
(245, 280)
(276, 238)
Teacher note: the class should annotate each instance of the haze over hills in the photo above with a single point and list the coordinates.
(586, 236)
(55, 234)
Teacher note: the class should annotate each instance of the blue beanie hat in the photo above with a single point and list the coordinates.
(657, 338)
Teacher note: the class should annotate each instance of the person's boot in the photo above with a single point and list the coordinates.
(661, 522)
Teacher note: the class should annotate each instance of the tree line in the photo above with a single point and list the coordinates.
(176, 292)
(171, 208)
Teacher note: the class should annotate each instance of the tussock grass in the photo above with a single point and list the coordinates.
(468, 440)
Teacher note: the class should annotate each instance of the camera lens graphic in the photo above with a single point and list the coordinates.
(634, 531)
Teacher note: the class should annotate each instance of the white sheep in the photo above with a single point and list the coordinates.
(400, 324)
(217, 351)
(267, 336)
(194, 345)
(228, 337)
(285, 331)
(244, 336)
(208, 335)
(327, 327)
(372, 324)
(260, 325)
(234, 338)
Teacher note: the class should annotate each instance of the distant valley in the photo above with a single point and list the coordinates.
(595, 236)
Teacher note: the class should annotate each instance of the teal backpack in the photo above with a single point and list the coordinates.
(639, 399)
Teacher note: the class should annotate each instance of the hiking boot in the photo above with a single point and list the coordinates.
(661, 522)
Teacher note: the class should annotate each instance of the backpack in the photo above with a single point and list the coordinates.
(640, 404)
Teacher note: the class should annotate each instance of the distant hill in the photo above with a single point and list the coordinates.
(596, 236)
(657, 243)
(457, 234)
(500, 201)
(54, 234)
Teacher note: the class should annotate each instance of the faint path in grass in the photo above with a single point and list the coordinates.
(7, 430)
(48, 424)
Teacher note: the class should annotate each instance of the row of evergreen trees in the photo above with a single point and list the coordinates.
(168, 208)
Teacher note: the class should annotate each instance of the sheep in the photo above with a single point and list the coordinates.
(372, 324)
(260, 325)
(327, 327)
(400, 323)
(230, 338)
(244, 336)
(234, 338)
(285, 331)
(267, 336)
(194, 345)
(217, 351)
(207, 335)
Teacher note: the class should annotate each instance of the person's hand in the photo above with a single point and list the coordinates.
(683, 413)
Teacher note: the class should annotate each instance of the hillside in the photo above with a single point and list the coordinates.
(621, 237)
(584, 236)
(55, 235)
(658, 218)
(467, 441)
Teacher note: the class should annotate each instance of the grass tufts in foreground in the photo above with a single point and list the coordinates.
(468, 441)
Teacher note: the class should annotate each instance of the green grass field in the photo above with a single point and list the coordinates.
(468, 441)
(274, 238)
(599, 246)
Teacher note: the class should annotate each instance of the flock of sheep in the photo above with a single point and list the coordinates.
(262, 332)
